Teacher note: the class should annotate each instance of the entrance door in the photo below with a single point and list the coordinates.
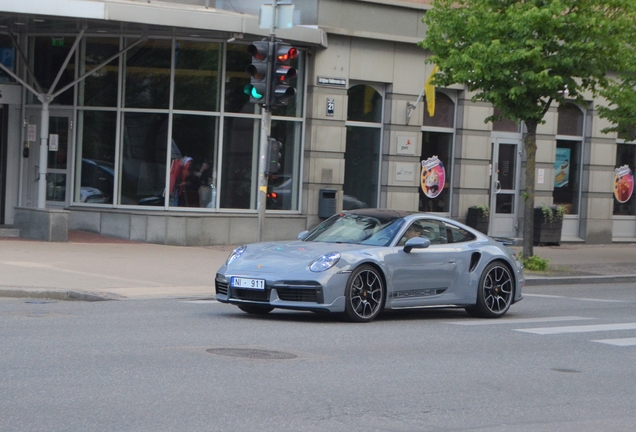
(58, 177)
(504, 188)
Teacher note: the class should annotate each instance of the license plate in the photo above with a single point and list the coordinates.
(239, 282)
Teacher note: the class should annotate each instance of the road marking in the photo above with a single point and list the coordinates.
(579, 329)
(617, 342)
(517, 320)
(576, 298)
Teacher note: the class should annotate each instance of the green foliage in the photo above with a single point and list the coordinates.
(552, 214)
(535, 263)
(485, 211)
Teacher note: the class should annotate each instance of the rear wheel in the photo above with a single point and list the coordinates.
(495, 292)
(364, 294)
(256, 309)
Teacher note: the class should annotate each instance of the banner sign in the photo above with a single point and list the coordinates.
(433, 177)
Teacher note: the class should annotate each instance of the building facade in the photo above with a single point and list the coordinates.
(152, 138)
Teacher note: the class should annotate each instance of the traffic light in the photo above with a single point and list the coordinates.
(282, 73)
(257, 88)
(274, 155)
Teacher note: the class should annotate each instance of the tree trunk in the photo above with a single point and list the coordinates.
(530, 145)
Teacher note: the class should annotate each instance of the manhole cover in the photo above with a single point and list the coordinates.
(252, 353)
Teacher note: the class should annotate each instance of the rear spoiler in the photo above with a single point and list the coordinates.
(507, 241)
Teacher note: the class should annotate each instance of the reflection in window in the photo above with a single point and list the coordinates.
(7, 58)
(143, 176)
(197, 76)
(49, 55)
(444, 115)
(95, 170)
(365, 104)
(362, 158)
(282, 187)
(100, 88)
(435, 197)
(193, 162)
(624, 201)
(240, 162)
(148, 75)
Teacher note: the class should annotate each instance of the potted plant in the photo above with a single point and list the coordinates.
(548, 223)
(478, 218)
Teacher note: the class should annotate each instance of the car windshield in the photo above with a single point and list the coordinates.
(357, 229)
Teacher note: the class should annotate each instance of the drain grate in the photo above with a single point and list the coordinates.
(252, 353)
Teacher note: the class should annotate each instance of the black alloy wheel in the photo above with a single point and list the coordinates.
(364, 294)
(495, 292)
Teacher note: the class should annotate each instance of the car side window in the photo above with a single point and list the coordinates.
(455, 234)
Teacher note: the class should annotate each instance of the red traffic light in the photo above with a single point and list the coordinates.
(286, 53)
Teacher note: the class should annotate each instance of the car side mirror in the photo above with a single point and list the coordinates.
(416, 243)
(302, 235)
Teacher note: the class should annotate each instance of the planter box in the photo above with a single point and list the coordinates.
(546, 233)
(477, 220)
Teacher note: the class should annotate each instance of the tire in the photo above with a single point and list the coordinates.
(255, 309)
(364, 294)
(495, 292)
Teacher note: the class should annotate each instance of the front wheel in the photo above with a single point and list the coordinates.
(255, 309)
(364, 294)
(494, 293)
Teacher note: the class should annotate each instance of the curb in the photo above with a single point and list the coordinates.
(57, 294)
(573, 280)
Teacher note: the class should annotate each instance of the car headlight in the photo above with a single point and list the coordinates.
(236, 253)
(325, 262)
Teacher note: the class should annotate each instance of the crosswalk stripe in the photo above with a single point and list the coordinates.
(579, 329)
(618, 342)
(517, 320)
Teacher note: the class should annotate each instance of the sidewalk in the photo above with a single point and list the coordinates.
(95, 267)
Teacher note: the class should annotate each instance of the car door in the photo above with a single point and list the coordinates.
(421, 276)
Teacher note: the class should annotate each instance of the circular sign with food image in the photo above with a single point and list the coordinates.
(623, 184)
(433, 177)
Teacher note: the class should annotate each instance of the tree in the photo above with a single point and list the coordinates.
(521, 56)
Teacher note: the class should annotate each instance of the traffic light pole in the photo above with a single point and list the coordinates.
(266, 122)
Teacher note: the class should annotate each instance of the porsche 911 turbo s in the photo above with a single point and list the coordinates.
(361, 262)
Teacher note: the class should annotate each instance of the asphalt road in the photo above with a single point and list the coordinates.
(145, 365)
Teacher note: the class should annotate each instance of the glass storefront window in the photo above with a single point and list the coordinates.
(148, 75)
(444, 115)
(365, 104)
(197, 76)
(566, 175)
(95, 166)
(240, 162)
(7, 58)
(504, 125)
(49, 55)
(193, 162)
(362, 158)
(437, 150)
(283, 187)
(624, 201)
(100, 88)
(143, 174)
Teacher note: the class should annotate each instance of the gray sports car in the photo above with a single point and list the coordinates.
(361, 262)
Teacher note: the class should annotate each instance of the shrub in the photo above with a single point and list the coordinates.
(535, 263)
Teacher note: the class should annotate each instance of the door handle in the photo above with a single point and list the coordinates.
(497, 186)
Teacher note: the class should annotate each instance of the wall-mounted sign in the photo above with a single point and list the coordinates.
(405, 145)
(433, 177)
(404, 172)
(54, 142)
(331, 105)
(32, 132)
(623, 184)
(341, 82)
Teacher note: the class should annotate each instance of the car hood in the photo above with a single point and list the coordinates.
(284, 257)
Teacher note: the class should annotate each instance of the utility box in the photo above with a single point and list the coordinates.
(327, 203)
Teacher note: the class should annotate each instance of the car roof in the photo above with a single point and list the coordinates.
(380, 213)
